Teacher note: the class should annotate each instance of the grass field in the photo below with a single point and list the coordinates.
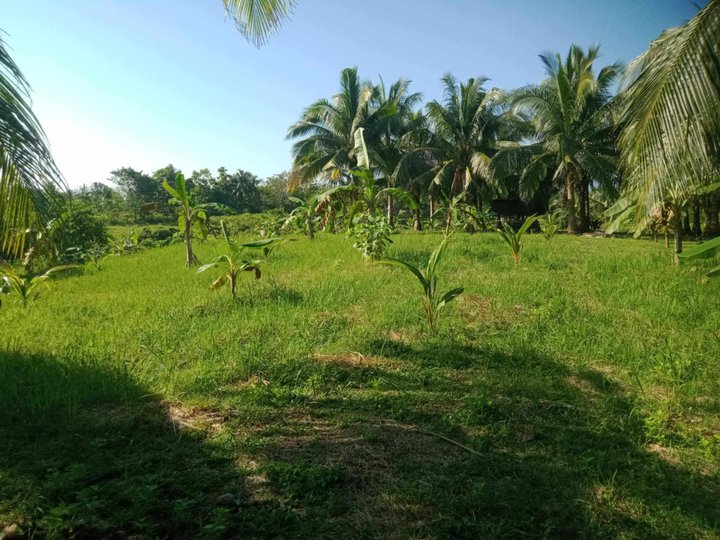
(574, 396)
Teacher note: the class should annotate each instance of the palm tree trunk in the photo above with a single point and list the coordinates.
(697, 231)
(570, 202)
(189, 255)
(311, 228)
(583, 212)
(390, 210)
(417, 226)
(457, 184)
(677, 228)
(712, 213)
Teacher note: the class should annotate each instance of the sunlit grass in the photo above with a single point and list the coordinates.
(583, 384)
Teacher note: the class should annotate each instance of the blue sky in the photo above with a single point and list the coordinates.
(144, 83)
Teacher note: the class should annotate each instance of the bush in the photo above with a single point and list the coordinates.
(240, 223)
(79, 228)
(162, 235)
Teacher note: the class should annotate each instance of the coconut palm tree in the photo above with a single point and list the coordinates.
(326, 130)
(670, 116)
(465, 126)
(571, 114)
(395, 139)
(31, 186)
(452, 148)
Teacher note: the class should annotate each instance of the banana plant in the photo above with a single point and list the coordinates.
(232, 263)
(190, 214)
(433, 302)
(28, 287)
(304, 215)
(514, 238)
(366, 192)
(706, 250)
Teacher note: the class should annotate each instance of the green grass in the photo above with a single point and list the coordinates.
(574, 396)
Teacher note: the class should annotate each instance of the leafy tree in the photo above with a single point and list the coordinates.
(31, 186)
(79, 227)
(103, 199)
(574, 132)
(274, 192)
(465, 127)
(238, 191)
(141, 191)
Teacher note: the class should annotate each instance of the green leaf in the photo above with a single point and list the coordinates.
(213, 264)
(450, 296)
(528, 223)
(706, 250)
(418, 274)
(181, 187)
(401, 194)
(360, 150)
(171, 190)
(259, 243)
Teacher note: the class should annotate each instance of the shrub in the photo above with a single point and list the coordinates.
(79, 227)
(372, 236)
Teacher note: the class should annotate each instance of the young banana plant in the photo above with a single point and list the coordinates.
(432, 300)
(304, 215)
(232, 263)
(190, 215)
(514, 238)
(26, 287)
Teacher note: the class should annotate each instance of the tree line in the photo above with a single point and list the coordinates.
(135, 197)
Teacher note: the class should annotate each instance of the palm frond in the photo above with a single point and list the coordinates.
(258, 19)
(670, 112)
(31, 186)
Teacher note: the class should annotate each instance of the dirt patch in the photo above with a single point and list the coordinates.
(194, 418)
(668, 455)
(368, 452)
(356, 359)
(581, 384)
(474, 307)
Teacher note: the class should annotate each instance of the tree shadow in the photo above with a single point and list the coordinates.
(524, 447)
(409, 444)
(87, 452)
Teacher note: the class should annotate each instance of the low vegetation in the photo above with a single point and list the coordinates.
(574, 395)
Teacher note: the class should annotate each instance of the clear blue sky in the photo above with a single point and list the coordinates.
(144, 83)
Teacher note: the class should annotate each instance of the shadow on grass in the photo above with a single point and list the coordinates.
(86, 452)
(444, 440)
(524, 447)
